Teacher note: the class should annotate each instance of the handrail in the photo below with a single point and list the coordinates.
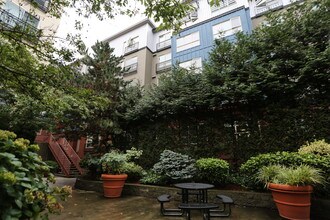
(163, 44)
(163, 66)
(132, 47)
(72, 155)
(59, 155)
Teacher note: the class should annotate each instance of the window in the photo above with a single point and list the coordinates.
(195, 63)
(23, 16)
(227, 28)
(164, 62)
(186, 42)
(164, 41)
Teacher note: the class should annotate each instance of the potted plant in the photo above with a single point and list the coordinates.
(291, 188)
(114, 166)
(113, 177)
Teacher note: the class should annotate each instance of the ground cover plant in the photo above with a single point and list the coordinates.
(24, 192)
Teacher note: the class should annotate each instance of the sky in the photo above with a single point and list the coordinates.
(94, 29)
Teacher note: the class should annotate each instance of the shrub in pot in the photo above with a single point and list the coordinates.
(212, 170)
(249, 170)
(113, 165)
(291, 188)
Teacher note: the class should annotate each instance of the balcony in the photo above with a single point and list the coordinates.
(163, 44)
(163, 66)
(131, 48)
(42, 4)
(267, 6)
(130, 69)
(223, 4)
(10, 21)
(192, 16)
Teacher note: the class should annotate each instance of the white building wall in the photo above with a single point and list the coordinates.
(141, 32)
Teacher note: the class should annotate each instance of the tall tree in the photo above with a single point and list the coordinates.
(286, 61)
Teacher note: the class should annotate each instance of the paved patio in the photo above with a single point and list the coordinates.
(92, 205)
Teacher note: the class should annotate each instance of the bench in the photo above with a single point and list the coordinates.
(226, 210)
(167, 212)
(204, 207)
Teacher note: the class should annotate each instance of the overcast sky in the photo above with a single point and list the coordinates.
(95, 29)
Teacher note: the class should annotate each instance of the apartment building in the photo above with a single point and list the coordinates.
(149, 53)
(31, 16)
(146, 52)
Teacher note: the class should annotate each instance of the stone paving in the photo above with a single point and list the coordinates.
(91, 205)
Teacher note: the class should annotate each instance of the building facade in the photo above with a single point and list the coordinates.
(29, 16)
(149, 53)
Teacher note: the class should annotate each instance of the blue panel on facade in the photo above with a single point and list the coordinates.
(206, 36)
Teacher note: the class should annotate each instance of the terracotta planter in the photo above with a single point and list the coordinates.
(113, 184)
(293, 202)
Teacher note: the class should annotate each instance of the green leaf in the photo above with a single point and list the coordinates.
(18, 203)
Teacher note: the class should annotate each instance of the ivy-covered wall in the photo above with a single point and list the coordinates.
(229, 133)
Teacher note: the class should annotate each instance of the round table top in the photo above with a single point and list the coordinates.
(195, 186)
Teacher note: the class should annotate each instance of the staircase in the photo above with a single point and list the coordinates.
(64, 154)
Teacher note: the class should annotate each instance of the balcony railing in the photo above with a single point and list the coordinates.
(163, 44)
(42, 4)
(163, 66)
(270, 5)
(131, 68)
(192, 16)
(131, 48)
(223, 4)
(10, 21)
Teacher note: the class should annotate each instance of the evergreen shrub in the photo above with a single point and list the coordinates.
(175, 167)
(212, 170)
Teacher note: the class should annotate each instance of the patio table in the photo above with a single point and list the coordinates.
(200, 187)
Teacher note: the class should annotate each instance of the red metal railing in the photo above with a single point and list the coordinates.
(59, 155)
(72, 155)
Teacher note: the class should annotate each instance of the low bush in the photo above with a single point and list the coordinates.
(175, 167)
(251, 167)
(316, 147)
(92, 164)
(212, 170)
(152, 178)
(24, 192)
(134, 172)
(53, 166)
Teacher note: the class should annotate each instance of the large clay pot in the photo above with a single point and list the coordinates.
(113, 184)
(293, 202)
